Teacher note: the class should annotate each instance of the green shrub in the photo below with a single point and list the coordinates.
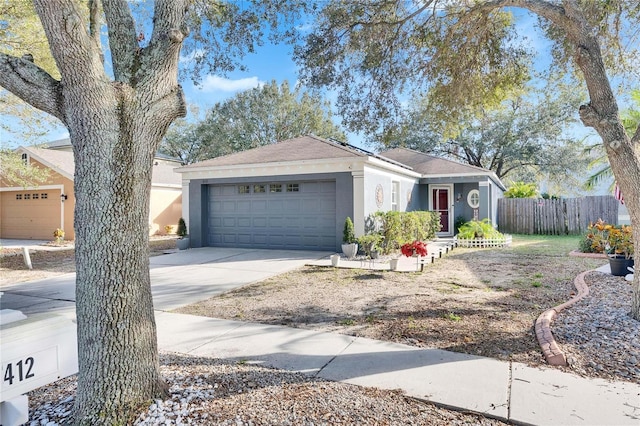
(370, 242)
(400, 228)
(521, 190)
(479, 229)
(182, 228)
(348, 233)
(590, 243)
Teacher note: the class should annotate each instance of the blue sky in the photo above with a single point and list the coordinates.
(274, 62)
(271, 62)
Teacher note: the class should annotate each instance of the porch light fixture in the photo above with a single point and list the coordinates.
(459, 196)
(63, 197)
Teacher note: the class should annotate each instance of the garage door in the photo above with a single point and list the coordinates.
(287, 215)
(29, 214)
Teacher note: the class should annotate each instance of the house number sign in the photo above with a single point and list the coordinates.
(30, 367)
(36, 351)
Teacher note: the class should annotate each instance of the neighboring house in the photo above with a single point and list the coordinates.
(296, 194)
(34, 213)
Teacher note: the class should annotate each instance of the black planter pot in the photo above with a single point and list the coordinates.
(619, 266)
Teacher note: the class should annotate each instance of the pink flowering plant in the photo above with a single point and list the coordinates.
(416, 247)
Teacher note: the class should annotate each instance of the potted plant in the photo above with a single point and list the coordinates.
(415, 249)
(183, 241)
(619, 248)
(58, 235)
(349, 244)
(370, 244)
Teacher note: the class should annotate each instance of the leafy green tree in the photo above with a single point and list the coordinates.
(466, 55)
(527, 134)
(117, 114)
(253, 118)
(521, 190)
(15, 172)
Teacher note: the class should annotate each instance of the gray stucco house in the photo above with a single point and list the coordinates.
(296, 194)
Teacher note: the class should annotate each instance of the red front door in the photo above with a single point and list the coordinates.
(440, 203)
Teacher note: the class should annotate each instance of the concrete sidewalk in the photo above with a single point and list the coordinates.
(509, 391)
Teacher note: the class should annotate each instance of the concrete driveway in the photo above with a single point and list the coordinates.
(177, 279)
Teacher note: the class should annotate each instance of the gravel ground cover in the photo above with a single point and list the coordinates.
(598, 335)
(206, 391)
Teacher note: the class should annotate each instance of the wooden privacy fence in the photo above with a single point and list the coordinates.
(554, 217)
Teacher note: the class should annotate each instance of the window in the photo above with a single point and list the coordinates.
(259, 189)
(275, 187)
(473, 199)
(395, 194)
(44, 196)
(243, 189)
(27, 196)
(36, 196)
(293, 187)
(25, 159)
(18, 196)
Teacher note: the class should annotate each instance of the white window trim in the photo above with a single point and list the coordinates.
(395, 195)
(469, 197)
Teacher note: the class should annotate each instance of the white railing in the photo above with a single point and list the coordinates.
(483, 242)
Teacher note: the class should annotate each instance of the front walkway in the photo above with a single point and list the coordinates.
(435, 250)
(509, 391)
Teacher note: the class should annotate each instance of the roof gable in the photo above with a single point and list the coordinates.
(63, 163)
(296, 149)
(59, 161)
(430, 164)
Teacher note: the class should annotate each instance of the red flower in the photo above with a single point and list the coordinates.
(416, 247)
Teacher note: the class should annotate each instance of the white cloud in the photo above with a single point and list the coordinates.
(213, 83)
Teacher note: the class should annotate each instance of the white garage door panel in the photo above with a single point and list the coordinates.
(285, 220)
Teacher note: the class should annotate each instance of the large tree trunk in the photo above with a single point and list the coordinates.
(114, 142)
(115, 128)
(601, 113)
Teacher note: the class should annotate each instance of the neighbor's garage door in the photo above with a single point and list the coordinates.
(30, 214)
(287, 215)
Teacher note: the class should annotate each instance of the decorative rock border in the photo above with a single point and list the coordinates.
(552, 352)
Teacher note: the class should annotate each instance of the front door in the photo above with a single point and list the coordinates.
(441, 202)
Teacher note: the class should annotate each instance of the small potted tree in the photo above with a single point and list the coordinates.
(183, 241)
(619, 248)
(370, 244)
(349, 245)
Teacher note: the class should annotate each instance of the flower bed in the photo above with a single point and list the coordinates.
(504, 241)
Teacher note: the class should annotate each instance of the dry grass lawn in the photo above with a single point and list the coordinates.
(476, 301)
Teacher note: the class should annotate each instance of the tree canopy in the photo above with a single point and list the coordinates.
(466, 55)
(461, 56)
(524, 137)
(256, 117)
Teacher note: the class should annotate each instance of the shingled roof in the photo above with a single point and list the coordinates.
(431, 165)
(63, 163)
(302, 148)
